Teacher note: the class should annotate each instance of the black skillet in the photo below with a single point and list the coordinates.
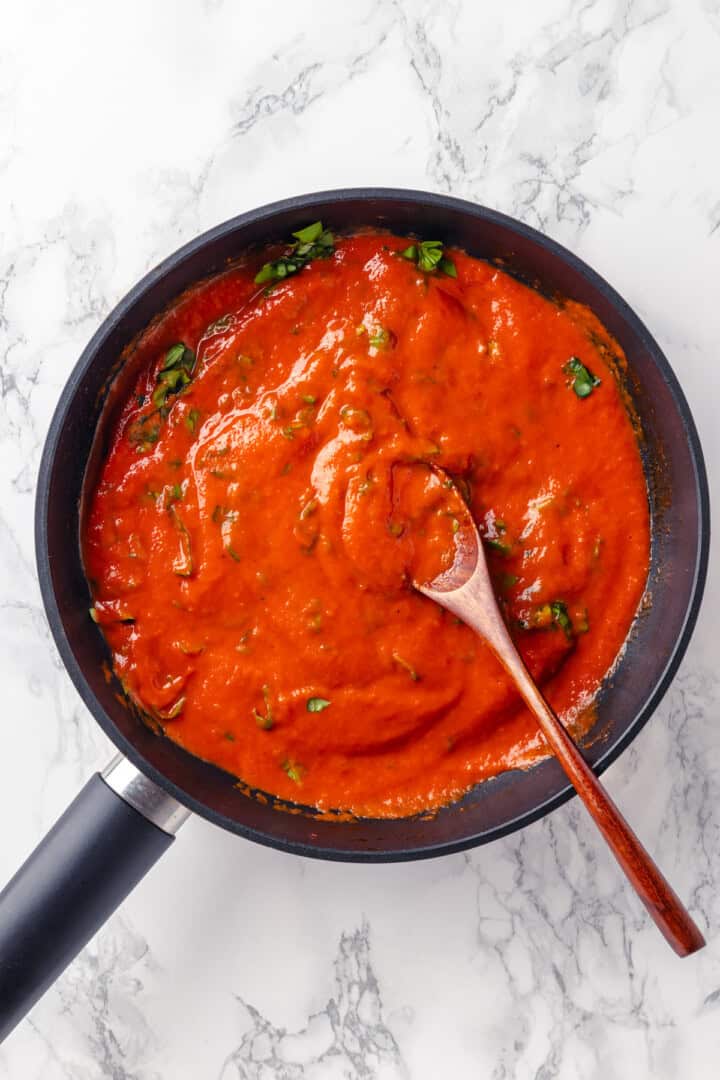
(119, 825)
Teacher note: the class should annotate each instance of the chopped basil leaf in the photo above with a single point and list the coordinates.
(552, 615)
(191, 420)
(561, 618)
(174, 375)
(430, 252)
(581, 379)
(429, 257)
(312, 242)
(144, 432)
(173, 356)
(294, 771)
(267, 273)
(317, 704)
(310, 233)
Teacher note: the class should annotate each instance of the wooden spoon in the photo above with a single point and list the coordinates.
(466, 590)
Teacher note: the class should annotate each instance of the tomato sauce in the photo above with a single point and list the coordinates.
(249, 560)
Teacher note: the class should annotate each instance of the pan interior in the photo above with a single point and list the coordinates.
(676, 487)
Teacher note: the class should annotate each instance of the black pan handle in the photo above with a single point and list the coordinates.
(108, 838)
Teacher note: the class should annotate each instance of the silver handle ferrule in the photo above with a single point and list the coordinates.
(144, 795)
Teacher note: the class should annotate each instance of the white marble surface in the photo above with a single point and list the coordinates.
(126, 129)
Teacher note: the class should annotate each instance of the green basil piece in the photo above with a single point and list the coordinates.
(310, 233)
(312, 242)
(561, 618)
(430, 252)
(581, 379)
(294, 770)
(429, 257)
(174, 375)
(144, 432)
(173, 356)
(317, 704)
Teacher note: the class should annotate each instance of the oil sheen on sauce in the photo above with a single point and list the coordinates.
(246, 555)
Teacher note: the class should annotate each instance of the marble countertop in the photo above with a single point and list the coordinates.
(124, 131)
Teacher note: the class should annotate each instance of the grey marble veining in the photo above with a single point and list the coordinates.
(126, 130)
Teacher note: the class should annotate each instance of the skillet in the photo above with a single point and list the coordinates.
(122, 821)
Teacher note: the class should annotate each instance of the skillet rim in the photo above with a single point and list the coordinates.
(307, 201)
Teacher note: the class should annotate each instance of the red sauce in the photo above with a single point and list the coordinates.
(250, 529)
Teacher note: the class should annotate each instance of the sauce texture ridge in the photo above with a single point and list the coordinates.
(248, 552)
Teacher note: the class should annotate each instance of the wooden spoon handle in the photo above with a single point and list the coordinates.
(662, 903)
